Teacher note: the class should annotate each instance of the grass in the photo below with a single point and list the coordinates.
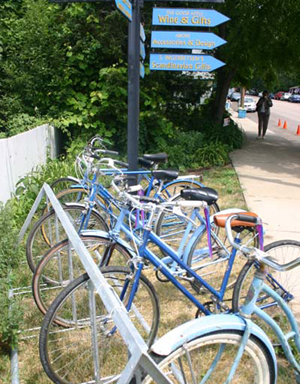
(175, 308)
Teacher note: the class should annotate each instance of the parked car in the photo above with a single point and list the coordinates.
(272, 96)
(249, 104)
(286, 96)
(279, 95)
(235, 96)
(294, 98)
(252, 92)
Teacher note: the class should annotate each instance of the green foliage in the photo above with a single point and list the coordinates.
(10, 257)
(22, 122)
(231, 136)
(212, 154)
(29, 186)
(207, 147)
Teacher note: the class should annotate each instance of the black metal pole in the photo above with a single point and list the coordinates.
(133, 87)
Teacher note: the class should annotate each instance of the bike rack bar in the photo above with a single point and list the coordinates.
(137, 347)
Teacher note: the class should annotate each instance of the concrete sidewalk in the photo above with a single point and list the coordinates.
(269, 173)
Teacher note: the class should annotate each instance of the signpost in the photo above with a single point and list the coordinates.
(166, 17)
(178, 62)
(187, 17)
(185, 40)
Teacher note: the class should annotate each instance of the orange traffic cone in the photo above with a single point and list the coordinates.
(279, 123)
(285, 125)
(298, 131)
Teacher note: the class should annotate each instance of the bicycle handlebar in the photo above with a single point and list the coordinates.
(147, 203)
(257, 254)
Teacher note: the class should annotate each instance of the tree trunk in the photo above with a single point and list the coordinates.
(224, 79)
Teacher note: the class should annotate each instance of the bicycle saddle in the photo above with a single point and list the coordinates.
(165, 175)
(209, 195)
(156, 157)
(145, 163)
(247, 219)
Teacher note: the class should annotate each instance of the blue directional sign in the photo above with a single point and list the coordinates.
(125, 7)
(185, 40)
(177, 62)
(142, 50)
(187, 17)
(142, 70)
(142, 33)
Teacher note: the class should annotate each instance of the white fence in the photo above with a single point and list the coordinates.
(21, 153)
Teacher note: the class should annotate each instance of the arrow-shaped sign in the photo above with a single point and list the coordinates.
(142, 33)
(142, 70)
(125, 7)
(177, 62)
(187, 17)
(185, 40)
(142, 50)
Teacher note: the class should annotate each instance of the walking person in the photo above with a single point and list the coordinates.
(263, 110)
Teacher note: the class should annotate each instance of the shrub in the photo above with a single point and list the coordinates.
(10, 257)
(212, 154)
(182, 148)
(22, 122)
(231, 135)
(29, 186)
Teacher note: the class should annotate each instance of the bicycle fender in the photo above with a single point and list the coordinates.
(195, 183)
(205, 325)
(107, 236)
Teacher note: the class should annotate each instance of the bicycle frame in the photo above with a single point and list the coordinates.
(250, 308)
(161, 265)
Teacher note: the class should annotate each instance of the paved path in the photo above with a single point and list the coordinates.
(269, 173)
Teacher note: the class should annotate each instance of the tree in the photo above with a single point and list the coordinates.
(263, 38)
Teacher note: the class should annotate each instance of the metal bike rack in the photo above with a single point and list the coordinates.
(138, 351)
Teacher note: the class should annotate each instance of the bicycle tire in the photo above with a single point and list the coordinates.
(173, 188)
(66, 354)
(284, 251)
(171, 228)
(43, 235)
(191, 362)
(213, 269)
(53, 272)
(77, 195)
(64, 183)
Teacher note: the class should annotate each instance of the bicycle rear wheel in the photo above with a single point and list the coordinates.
(286, 284)
(209, 358)
(171, 227)
(48, 231)
(61, 264)
(67, 352)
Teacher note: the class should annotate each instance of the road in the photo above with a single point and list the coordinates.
(283, 110)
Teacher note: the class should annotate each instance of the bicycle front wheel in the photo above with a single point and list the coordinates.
(63, 183)
(48, 231)
(208, 359)
(61, 264)
(76, 354)
(286, 284)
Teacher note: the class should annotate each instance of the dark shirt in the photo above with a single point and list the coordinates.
(263, 105)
